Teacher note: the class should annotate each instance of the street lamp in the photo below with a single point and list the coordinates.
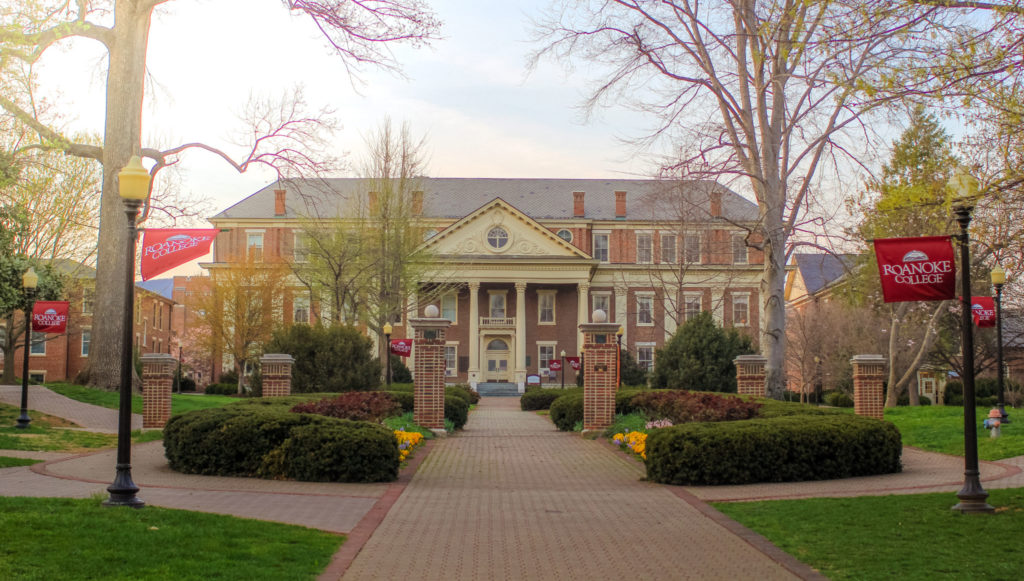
(563, 368)
(998, 280)
(618, 357)
(387, 352)
(133, 186)
(972, 496)
(29, 281)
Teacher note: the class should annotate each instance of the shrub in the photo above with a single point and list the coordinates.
(699, 357)
(630, 372)
(340, 451)
(229, 376)
(771, 408)
(682, 406)
(539, 398)
(785, 449)
(567, 410)
(624, 401)
(921, 399)
(456, 410)
(404, 398)
(362, 406)
(838, 399)
(327, 359)
(222, 389)
(399, 370)
(474, 397)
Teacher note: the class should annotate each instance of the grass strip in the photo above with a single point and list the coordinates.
(907, 537)
(180, 402)
(80, 539)
(8, 462)
(51, 434)
(941, 429)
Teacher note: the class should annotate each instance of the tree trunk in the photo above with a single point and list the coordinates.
(9, 346)
(122, 139)
(773, 312)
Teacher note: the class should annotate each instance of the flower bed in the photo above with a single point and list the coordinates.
(407, 441)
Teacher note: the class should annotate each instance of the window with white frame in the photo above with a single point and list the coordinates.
(603, 301)
(38, 343)
(86, 340)
(740, 310)
(645, 356)
(88, 300)
(668, 248)
(644, 309)
(497, 309)
(449, 307)
(300, 308)
(545, 355)
(546, 307)
(451, 358)
(691, 248)
(739, 249)
(691, 306)
(644, 248)
(601, 246)
(254, 245)
(300, 248)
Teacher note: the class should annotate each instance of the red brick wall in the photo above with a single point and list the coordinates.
(428, 387)
(600, 375)
(276, 370)
(868, 372)
(157, 380)
(750, 374)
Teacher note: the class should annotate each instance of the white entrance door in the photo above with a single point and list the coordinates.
(497, 361)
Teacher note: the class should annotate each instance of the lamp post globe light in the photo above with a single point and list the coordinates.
(133, 186)
(387, 352)
(29, 281)
(563, 368)
(998, 280)
(972, 496)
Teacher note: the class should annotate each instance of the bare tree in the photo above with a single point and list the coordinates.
(360, 31)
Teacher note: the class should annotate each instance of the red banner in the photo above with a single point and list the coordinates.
(574, 362)
(555, 365)
(401, 347)
(983, 309)
(50, 316)
(164, 248)
(916, 269)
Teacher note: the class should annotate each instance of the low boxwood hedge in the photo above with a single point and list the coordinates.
(340, 451)
(456, 409)
(540, 398)
(781, 449)
(567, 410)
(249, 440)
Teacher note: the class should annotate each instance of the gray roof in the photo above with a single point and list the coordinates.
(821, 270)
(161, 286)
(538, 198)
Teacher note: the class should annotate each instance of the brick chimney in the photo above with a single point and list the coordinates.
(620, 205)
(372, 201)
(716, 204)
(417, 203)
(279, 197)
(577, 204)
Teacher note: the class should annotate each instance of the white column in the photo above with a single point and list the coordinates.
(474, 334)
(670, 323)
(582, 312)
(521, 336)
(620, 310)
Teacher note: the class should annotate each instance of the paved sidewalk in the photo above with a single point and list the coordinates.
(91, 417)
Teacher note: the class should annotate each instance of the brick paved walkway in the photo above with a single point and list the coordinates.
(91, 417)
(513, 498)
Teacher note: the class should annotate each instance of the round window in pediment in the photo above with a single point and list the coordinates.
(497, 237)
(565, 235)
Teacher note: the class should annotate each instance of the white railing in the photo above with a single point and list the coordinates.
(492, 322)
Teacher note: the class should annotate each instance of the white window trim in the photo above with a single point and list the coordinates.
(502, 292)
(33, 342)
(309, 307)
(554, 306)
(661, 247)
(699, 296)
(653, 346)
(732, 300)
(636, 238)
(455, 297)
(554, 355)
(736, 239)
(700, 248)
(608, 298)
(641, 295)
(296, 236)
(454, 370)
(82, 343)
(593, 241)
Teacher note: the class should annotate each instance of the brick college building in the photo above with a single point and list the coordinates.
(529, 259)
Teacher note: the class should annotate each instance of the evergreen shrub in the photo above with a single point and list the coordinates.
(221, 389)
(567, 410)
(371, 406)
(783, 449)
(683, 406)
(838, 399)
(327, 359)
(456, 410)
(539, 398)
(339, 451)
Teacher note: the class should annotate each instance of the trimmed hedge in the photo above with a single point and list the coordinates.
(539, 398)
(250, 440)
(221, 389)
(365, 406)
(782, 449)
(456, 410)
(687, 406)
(567, 410)
(838, 399)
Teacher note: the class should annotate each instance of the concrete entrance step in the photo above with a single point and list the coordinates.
(497, 389)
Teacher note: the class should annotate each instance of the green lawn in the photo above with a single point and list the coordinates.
(180, 403)
(941, 429)
(8, 462)
(48, 538)
(904, 537)
(49, 433)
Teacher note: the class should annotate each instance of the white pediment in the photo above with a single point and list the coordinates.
(498, 229)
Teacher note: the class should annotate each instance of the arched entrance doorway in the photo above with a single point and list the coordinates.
(497, 355)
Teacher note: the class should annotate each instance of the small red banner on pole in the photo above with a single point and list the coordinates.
(983, 309)
(916, 269)
(50, 316)
(164, 248)
(401, 347)
(574, 362)
(555, 365)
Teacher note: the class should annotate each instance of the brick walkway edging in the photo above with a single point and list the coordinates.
(356, 539)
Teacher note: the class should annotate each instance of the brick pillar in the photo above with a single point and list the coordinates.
(600, 374)
(157, 380)
(276, 371)
(868, 397)
(750, 374)
(428, 379)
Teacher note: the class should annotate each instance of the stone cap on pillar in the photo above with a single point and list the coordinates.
(868, 360)
(750, 364)
(591, 330)
(157, 358)
(429, 327)
(272, 358)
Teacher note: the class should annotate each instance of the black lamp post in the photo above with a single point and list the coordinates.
(618, 357)
(29, 281)
(387, 353)
(133, 185)
(998, 280)
(563, 368)
(972, 496)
